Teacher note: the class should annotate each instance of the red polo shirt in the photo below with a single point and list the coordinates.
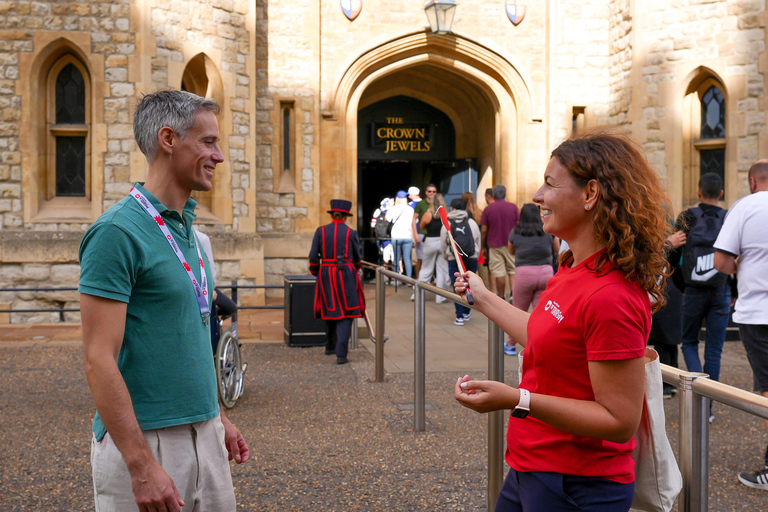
(582, 316)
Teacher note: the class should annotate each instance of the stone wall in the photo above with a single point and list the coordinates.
(218, 28)
(284, 74)
(726, 37)
(580, 64)
(39, 260)
(123, 36)
(620, 48)
(626, 62)
(12, 41)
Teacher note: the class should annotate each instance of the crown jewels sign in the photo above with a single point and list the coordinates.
(351, 8)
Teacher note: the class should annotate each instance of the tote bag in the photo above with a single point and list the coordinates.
(657, 477)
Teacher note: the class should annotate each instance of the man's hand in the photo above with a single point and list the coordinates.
(153, 489)
(676, 239)
(236, 445)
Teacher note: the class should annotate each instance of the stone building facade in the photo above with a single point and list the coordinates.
(306, 92)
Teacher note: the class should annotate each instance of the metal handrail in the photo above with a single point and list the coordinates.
(495, 368)
(233, 286)
(70, 289)
(696, 392)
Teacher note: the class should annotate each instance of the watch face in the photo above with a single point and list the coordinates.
(519, 413)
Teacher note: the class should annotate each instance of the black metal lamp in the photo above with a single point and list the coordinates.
(440, 15)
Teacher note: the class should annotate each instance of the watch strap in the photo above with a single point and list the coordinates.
(523, 404)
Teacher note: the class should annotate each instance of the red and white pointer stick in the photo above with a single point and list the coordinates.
(459, 262)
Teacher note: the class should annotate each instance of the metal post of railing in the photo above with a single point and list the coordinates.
(703, 405)
(694, 438)
(495, 419)
(380, 301)
(234, 292)
(419, 359)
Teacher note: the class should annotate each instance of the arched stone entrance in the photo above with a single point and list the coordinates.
(483, 94)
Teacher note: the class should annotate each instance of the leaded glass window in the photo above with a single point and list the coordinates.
(70, 142)
(70, 166)
(713, 114)
(70, 96)
(286, 138)
(713, 160)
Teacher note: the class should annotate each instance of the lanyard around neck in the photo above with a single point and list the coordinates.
(201, 292)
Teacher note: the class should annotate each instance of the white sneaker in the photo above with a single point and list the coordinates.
(467, 316)
(413, 296)
(458, 321)
(440, 300)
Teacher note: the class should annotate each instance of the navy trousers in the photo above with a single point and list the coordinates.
(338, 335)
(538, 491)
(712, 306)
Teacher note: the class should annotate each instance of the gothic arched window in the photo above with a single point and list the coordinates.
(68, 129)
(704, 133)
(71, 128)
(201, 77)
(711, 143)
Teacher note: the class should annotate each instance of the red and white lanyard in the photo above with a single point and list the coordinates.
(201, 292)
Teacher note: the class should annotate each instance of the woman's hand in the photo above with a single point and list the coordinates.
(485, 395)
(475, 284)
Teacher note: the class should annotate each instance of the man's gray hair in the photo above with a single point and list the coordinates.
(174, 109)
(499, 191)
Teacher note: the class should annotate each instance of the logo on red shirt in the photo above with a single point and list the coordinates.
(554, 309)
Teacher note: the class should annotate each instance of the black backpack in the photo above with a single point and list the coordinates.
(698, 264)
(462, 234)
(382, 228)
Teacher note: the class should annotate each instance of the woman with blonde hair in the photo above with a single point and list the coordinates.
(473, 210)
(574, 415)
(434, 265)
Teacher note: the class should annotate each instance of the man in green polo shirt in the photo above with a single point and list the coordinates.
(420, 207)
(160, 438)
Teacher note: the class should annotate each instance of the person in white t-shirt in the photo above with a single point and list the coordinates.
(401, 217)
(742, 249)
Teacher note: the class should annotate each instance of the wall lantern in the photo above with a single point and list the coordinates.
(440, 15)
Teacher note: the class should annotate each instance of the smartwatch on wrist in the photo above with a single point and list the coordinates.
(523, 405)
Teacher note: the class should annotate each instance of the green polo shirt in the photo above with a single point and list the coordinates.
(166, 358)
(421, 208)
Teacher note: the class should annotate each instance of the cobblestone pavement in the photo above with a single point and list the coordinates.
(323, 437)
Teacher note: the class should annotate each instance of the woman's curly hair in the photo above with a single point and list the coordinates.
(630, 218)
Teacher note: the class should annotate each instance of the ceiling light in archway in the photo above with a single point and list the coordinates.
(440, 15)
(351, 8)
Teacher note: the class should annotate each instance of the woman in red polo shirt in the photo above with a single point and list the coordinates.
(570, 435)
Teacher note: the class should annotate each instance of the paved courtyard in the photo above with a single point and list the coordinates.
(323, 437)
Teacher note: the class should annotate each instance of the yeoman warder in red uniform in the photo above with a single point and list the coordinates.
(335, 260)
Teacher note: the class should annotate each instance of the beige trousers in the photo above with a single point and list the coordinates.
(500, 261)
(194, 455)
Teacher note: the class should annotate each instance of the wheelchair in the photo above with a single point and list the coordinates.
(230, 369)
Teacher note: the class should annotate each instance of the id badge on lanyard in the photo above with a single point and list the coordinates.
(201, 292)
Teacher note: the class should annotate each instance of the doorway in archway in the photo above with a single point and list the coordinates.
(381, 179)
(404, 142)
